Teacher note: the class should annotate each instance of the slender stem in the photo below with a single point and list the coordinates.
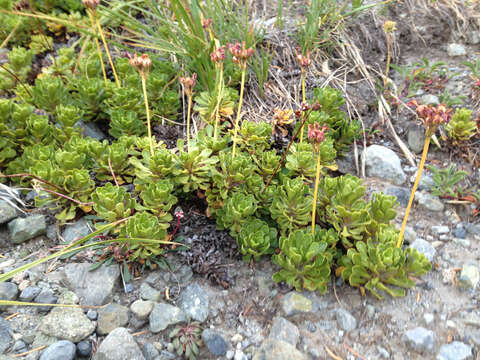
(17, 79)
(315, 193)
(242, 86)
(107, 51)
(219, 99)
(387, 66)
(285, 153)
(7, 39)
(145, 97)
(415, 185)
(34, 177)
(68, 197)
(99, 51)
(303, 98)
(189, 110)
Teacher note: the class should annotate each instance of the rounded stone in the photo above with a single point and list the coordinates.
(60, 350)
(84, 348)
(111, 317)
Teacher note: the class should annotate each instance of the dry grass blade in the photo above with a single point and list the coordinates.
(11, 194)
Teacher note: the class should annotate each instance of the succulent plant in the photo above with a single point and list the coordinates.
(382, 267)
(206, 140)
(49, 92)
(126, 123)
(19, 63)
(186, 339)
(125, 99)
(461, 126)
(305, 261)
(158, 198)
(238, 210)
(291, 205)
(206, 103)
(255, 239)
(89, 95)
(254, 137)
(144, 231)
(382, 212)
(113, 202)
(114, 157)
(67, 116)
(194, 168)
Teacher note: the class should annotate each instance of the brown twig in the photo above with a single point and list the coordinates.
(353, 352)
(32, 176)
(11, 316)
(247, 310)
(113, 174)
(68, 197)
(29, 352)
(332, 355)
(140, 333)
(18, 79)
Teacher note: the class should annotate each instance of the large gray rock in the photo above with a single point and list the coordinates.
(7, 212)
(416, 138)
(76, 231)
(420, 340)
(92, 287)
(164, 315)
(194, 302)
(46, 296)
(294, 303)
(60, 350)
(67, 323)
(456, 350)
(29, 293)
(6, 339)
(383, 163)
(278, 350)
(425, 248)
(456, 50)
(119, 345)
(111, 317)
(8, 291)
(141, 309)
(429, 202)
(470, 276)
(284, 330)
(345, 320)
(23, 229)
(214, 342)
(90, 129)
(149, 293)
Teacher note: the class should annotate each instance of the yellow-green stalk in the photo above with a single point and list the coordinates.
(316, 136)
(218, 56)
(240, 56)
(143, 65)
(99, 50)
(105, 45)
(188, 85)
(431, 117)
(388, 28)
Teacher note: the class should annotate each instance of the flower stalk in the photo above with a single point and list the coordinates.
(304, 61)
(431, 117)
(316, 136)
(218, 56)
(188, 85)
(388, 29)
(143, 65)
(240, 56)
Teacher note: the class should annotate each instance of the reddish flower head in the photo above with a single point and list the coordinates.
(239, 52)
(189, 83)
(218, 55)
(303, 60)
(316, 135)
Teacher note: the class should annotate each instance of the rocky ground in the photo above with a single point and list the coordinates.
(242, 312)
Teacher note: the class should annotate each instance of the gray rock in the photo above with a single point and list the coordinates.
(60, 350)
(456, 50)
(383, 352)
(29, 293)
(440, 229)
(166, 355)
(90, 129)
(429, 99)
(164, 315)
(8, 291)
(410, 235)
(141, 309)
(459, 232)
(84, 348)
(149, 351)
(76, 231)
(402, 194)
(473, 37)
(383, 163)
(93, 287)
(472, 229)
(42, 339)
(23, 229)
(149, 293)
(6, 339)
(194, 302)
(239, 355)
(92, 314)
(67, 323)
(284, 330)
(230, 354)
(111, 317)
(426, 181)
(420, 340)
(119, 345)
(7, 212)
(214, 342)
(470, 276)
(46, 296)
(345, 320)
(425, 248)
(19, 346)
(456, 350)
(416, 137)
(429, 202)
(294, 303)
(278, 350)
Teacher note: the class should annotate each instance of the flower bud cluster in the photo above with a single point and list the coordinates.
(432, 116)
(189, 83)
(316, 135)
(240, 53)
(218, 55)
(142, 64)
(303, 60)
(91, 4)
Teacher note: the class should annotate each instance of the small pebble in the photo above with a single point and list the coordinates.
(84, 348)
(92, 315)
